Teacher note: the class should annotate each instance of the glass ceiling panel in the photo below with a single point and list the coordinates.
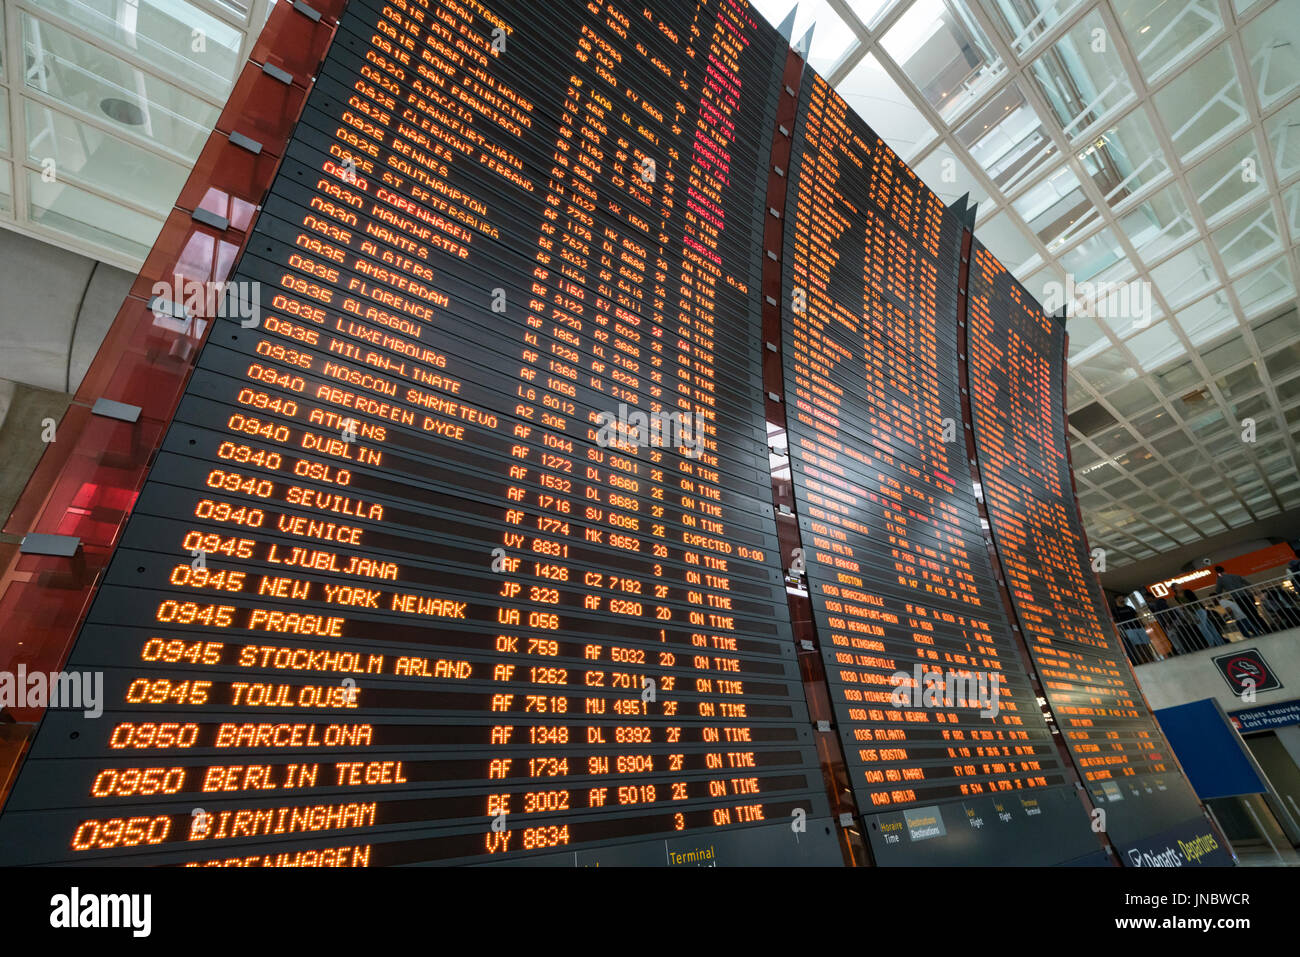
(1270, 42)
(1164, 34)
(1228, 179)
(1132, 398)
(1167, 489)
(1291, 209)
(1289, 391)
(1185, 275)
(1091, 256)
(943, 51)
(1265, 288)
(1283, 131)
(66, 208)
(1176, 381)
(1208, 318)
(101, 160)
(1235, 515)
(1151, 475)
(870, 12)
(1272, 333)
(1287, 357)
(1248, 239)
(1006, 241)
(1082, 76)
(1190, 461)
(1052, 205)
(1224, 357)
(1125, 307)
(1029, 265)
(1106, 370)
(1076, 396)
(1114, 440)
(1256, 407)
(948, 176)
(1241, 383)
(831, 38)
(97, 82)
(1121, 270)
(1006, 137)
(1048, 287)
(1202, 416)
(1125, 157)
(121, 95)
(1276, 464)
(1152, 423)
(879, 100)
(1156, 347)
(164, 33)
(1203, 105)
(1021, 23)
(1085, 337)
(1282, 364)
(1158, 224)
(1082, 455)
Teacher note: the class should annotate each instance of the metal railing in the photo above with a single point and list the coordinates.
(1174, 627)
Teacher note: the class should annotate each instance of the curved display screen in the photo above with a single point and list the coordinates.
(938, 719)
(1017, 372)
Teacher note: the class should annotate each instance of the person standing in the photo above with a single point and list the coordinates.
(1127, 620)
(1239, 600)
(1200, 620)
(1166, 621)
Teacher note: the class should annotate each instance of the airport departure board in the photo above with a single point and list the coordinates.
(898, 572)
(466, 552)
(1017, 371)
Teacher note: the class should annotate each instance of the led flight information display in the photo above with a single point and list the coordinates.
(1016, 371)
(932, 704)
(466, 552)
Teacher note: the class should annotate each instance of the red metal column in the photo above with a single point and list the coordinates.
(830, 752)
(88, 478)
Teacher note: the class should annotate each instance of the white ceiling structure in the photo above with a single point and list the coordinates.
(1148, 147)
(1108, 141)
(104, 106)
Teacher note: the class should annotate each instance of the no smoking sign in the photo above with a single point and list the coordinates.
(1247, 671)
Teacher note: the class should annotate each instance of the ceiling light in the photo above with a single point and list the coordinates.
(122, 111)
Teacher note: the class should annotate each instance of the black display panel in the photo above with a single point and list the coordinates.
(394, 591)
(915, 640)
(1017, 372)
